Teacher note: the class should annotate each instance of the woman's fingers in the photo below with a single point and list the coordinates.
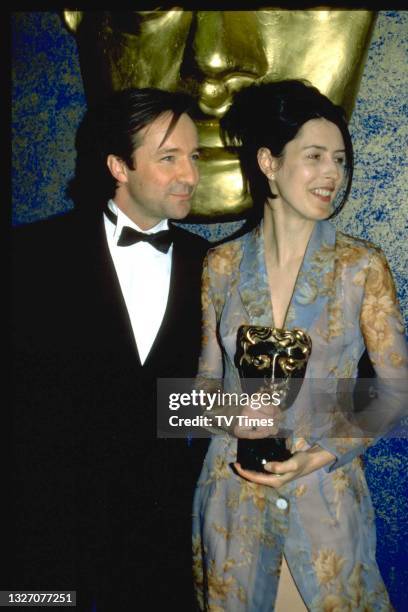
(270, 480)
(281, 467)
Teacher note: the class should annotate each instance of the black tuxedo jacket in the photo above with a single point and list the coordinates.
(102, 505)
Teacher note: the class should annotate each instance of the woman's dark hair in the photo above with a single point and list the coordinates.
(270, 115)
(113, 127)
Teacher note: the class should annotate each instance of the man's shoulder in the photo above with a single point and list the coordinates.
(47, 247)
(52, 229)
(190, 241)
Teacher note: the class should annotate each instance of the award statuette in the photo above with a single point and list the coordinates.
(270, 360)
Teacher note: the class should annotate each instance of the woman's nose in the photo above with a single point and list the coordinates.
(333, 169)
(225, 54)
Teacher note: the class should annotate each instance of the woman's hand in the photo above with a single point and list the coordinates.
(282, 472)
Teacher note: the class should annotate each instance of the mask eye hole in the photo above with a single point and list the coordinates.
(129, 22)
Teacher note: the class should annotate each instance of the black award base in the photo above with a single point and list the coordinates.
(253, 454)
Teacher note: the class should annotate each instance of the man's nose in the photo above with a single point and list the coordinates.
(188, 172)
(226, 50)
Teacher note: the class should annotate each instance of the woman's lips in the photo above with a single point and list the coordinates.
(324, 194)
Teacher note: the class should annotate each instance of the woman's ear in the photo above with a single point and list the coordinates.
(267, 163)
(117, 168)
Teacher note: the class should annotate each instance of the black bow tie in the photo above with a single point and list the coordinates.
(160, 240)
(128, 236)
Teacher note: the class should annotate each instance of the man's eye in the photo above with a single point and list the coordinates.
(195, 156)
(168, 158)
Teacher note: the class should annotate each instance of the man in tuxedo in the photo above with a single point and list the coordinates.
(106, 300)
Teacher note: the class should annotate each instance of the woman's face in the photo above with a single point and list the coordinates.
(311, 171)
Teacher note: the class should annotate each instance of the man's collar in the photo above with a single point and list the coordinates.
(123, 220)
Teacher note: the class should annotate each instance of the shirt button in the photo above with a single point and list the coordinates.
(281, 503)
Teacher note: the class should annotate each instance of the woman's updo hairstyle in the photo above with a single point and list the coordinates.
(270, 115)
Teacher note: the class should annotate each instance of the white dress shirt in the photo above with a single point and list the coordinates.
(144, 277)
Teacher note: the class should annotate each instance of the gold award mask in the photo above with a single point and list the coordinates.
(212, 54)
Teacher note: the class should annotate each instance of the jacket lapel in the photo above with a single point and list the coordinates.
(312, 289)
(111, 312)
(162, 339)
(315, 282)
(253, 284)
(175, 316)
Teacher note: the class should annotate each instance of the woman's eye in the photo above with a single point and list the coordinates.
(314, 156)
(340, 160)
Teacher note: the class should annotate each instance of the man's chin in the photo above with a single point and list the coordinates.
(181, 211)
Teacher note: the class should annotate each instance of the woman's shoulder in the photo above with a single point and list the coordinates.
(224, 257)
(353, 250)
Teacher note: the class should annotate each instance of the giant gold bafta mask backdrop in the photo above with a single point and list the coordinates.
(211, 54)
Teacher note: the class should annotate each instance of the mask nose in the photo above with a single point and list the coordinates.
(226, 54)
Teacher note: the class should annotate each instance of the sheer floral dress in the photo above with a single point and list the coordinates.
(324, 522)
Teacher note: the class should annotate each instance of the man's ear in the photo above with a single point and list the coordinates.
(267, 163)
(117, 168)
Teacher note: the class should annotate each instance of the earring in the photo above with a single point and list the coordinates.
(271, 177)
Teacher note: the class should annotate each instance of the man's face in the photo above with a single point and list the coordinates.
(165, 173)
(211, 54)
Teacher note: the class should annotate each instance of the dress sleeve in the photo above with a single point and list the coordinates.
(210, 368)
(210, 362)
(383, 333)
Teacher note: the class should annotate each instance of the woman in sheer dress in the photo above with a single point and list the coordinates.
(306, 524)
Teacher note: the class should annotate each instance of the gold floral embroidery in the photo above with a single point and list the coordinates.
(354, 587)
(336, 326)
(379, 278)
(379, 314)
(250, 490)
(300, 490)
(332, 603)
(222, 531)
(204, 337)
(341, 482)
(375, 324)
(205, 289)
(198, 574)
(225, 258)
(350, 251)
(228, 564)
(327, 565)
(219, 586)
(220, 470)
(322, 257)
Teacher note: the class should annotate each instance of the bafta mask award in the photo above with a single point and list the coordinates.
(271, 361)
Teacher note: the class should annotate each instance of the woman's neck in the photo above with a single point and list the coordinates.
(285, 236)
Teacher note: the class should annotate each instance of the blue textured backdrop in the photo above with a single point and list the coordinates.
(48, 103)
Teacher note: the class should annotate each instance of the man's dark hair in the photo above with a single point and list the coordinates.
(270, 115)
(113, 127)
